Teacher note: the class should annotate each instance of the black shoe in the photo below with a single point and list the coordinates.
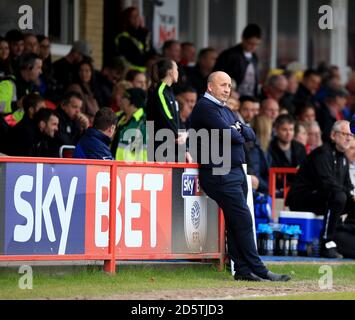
(277, 277)
(329, 250)
(249, 277)
(331, 253)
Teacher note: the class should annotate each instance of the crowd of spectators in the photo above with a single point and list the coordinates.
(291, 111)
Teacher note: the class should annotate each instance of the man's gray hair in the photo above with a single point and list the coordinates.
(337, 125)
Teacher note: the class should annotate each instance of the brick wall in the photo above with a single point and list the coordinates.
(91, 27)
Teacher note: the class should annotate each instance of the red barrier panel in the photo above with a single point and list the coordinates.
(272, 185)
(71, 209)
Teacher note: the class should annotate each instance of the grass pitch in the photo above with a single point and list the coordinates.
(177, 282)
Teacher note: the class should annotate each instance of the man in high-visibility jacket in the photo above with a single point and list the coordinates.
(129, 142)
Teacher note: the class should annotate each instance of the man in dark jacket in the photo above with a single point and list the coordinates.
(323, 185)
(46, 127)
(94, 144)
(22, 135)
(229, 187)
(68, 112)
(241, 61)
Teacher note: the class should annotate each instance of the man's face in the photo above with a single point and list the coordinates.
(286, 132)
(209, 60)
(271, 109)
(174, 52)
(350, 152)
(342, 137)
(247, 111)
(190, 99)
(312, 83)
(314, 136)
(73, 108)
(17, 47)
(36, 70)
(175, 72)
(140, 81)
(220, 87)
(251, 44)
(31, 45)
(51, 127)
(308, 115)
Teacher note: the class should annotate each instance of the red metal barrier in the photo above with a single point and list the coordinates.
(272, 185)
(111, 255)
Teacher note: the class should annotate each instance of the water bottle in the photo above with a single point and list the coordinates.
(296, 231)
(285, 240)
(269, 241)
(261, 238)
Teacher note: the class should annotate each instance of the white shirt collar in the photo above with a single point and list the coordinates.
(213, 99)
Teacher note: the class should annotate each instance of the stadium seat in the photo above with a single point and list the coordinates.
(66, 151)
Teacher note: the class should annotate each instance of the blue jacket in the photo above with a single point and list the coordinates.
(209, 115)
(93, 145)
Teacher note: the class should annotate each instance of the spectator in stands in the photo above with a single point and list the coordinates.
(72, 122)
(314, 135)
(162, 108)
(188, 54)
(4, 129)
(187, 99)
(117, 94)
(16, 43)
(258, 165)
(331, 110)
(132, 117)
(263, 131)
(241, 61)
(246, 112)
(30, 66)
(48, 83)
(270, 108)
(31, 44)
(233, 104)
(94, 144)
(197, 75)
(301, 135)
(306, 112)
(111, 73)
(27, 80)
(172, 50)
(133, 44)
(138, 79)
(22, 136)
(274, 88)
(46, 126)
(284, 150)
(308, 88)
(85, 86)
(5, 62)
(323, 185)
(66, 68)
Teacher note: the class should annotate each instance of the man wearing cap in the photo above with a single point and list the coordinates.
(129, 142)
(331, 110)
(65, 68)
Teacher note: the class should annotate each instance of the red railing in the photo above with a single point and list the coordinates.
(110, 258)
(273, 172)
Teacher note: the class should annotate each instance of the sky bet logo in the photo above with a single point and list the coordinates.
(43, 206)
(190, 185)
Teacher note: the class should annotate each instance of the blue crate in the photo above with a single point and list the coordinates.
(310, 224)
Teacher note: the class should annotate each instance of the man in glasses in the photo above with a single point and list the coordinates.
(323, 185)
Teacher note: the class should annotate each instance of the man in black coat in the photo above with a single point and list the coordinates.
(241, 61)
(323, 185)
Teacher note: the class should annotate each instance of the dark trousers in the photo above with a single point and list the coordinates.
(230, 193)
(332, 205)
